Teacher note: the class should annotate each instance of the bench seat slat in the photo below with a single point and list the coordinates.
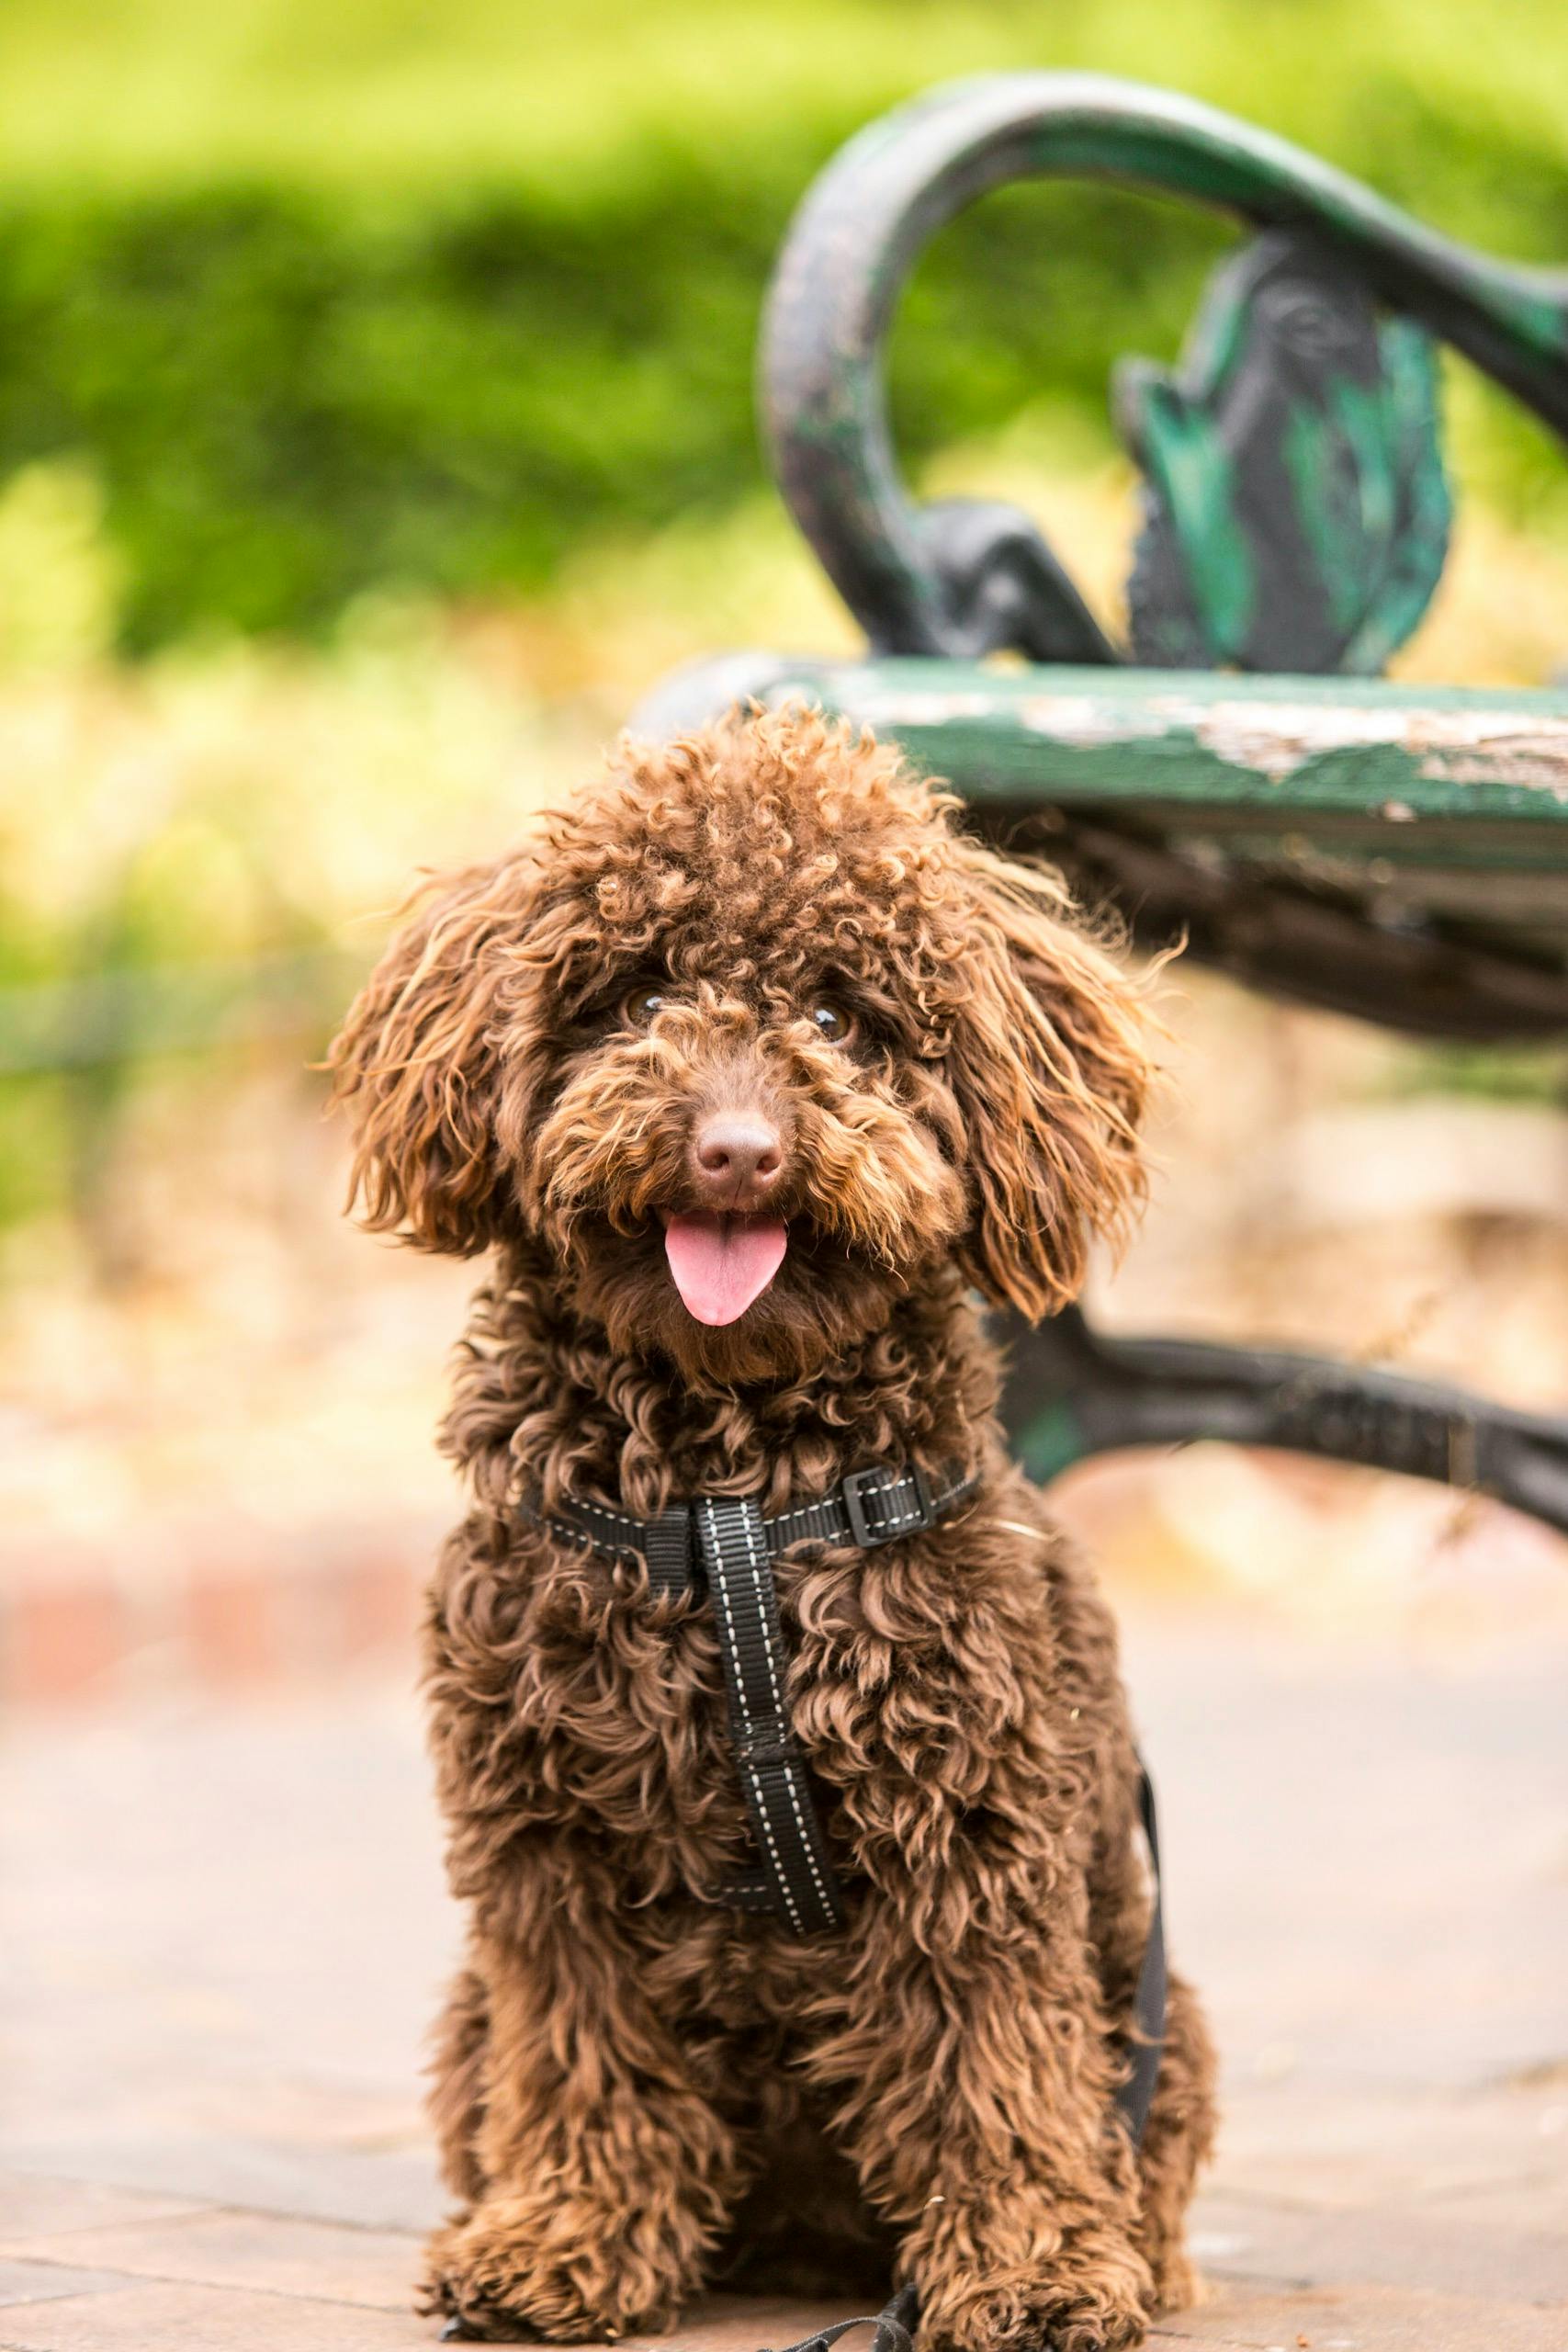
(1392, 850)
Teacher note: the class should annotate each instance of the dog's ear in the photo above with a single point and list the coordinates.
(1047, 1055)
(419, 1065)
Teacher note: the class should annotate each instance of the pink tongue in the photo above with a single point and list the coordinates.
(721, 1263)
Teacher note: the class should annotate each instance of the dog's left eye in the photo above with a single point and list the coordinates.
(642, 1006)
(829, 1022)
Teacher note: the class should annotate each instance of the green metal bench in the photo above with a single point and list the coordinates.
(1238, 774)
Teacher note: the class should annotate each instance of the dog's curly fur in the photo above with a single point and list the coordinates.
(637, 2090)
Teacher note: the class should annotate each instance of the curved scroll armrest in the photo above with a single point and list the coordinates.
(1072, 1392)
(971, 578)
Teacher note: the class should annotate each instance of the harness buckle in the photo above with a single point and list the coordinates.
(906, 1497)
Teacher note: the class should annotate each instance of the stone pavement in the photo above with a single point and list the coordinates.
(221, 1930)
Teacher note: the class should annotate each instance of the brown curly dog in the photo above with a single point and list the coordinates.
(751, 1070)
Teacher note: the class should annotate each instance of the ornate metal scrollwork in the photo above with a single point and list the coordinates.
(1295, 519)
(999, 586)
(1295, 507)
(1315, 383)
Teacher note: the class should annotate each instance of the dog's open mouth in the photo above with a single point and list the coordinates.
(721, 1262)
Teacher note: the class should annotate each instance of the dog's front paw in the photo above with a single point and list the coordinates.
(516, 2273)
(1078, 2305)
(1043, 2321)
(1178, 2285)
(472, 2283)
(1065, 2322)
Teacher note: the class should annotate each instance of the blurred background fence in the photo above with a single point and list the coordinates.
(375, 423)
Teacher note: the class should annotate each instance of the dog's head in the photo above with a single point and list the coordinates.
(751, 1042)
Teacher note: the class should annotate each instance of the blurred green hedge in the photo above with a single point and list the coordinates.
(289, 396)
(291, 393)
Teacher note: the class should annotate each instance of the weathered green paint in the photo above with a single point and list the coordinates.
(1414, 536)
(868, 217)
(1393, 852)
(1050, 1442)
(1295, 507)
(1283, 751)
(1397, 853)
(1191, 482)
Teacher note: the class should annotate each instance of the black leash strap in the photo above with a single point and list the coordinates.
(1137, 2093)
(895, 2326)
(799, 1878)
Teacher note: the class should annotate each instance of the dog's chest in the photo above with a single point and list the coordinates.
(623, 1706)
(896, 1700)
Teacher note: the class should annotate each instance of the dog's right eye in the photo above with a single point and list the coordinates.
(642, 1006)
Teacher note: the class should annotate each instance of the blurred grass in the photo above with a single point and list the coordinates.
(430, 297)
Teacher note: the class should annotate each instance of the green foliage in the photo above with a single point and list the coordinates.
(432, 296)
(35, 1147)
(1492, 1073)
(289, 398)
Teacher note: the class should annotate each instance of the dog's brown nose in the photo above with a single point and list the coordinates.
(738, 1156)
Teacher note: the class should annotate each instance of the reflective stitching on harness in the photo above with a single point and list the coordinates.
(887, 1518)
(792, 1787)
(867, 1508)
(781, 1877)
(791, 1770)
(751, 1562)
(889, 1522)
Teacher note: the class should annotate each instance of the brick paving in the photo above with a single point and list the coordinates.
(221, 1922)
(177, 1605)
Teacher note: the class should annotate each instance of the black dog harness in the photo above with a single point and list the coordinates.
(723, 1543)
